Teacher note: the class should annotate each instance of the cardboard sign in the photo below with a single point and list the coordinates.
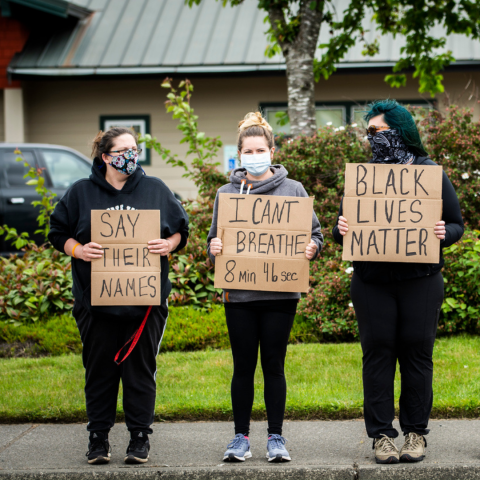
(391, 211)
(264, 240)
(128, 274)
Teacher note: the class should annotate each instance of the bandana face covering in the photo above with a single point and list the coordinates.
(388, 147)
(125, 163)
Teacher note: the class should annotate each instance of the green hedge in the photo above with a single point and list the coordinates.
(188, 329)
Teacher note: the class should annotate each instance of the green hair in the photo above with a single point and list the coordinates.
(398, 117)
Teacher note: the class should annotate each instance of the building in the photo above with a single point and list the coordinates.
(68, 68)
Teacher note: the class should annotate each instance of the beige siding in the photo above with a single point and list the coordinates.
(67, 111)
(2, 119)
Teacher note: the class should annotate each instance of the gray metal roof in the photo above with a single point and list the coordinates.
(165, 36)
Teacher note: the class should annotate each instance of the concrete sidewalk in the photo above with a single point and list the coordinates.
(319, 450)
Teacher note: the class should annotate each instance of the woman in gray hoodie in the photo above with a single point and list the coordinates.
(262, 318)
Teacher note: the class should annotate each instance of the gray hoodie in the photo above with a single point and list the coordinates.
(280, 185)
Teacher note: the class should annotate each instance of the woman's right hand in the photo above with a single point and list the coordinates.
(216, 246)
(342, 225)
(88, 252)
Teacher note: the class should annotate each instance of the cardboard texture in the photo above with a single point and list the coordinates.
(264, 240)
(391, 211)
(128, 274)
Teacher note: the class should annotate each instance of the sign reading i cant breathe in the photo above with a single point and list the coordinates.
(391, 211)
(264, 240)
(128, 274)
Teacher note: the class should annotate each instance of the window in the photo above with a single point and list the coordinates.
(337, 114)
(139, 123)
(65, 168)
(15, 171)
(325, 115)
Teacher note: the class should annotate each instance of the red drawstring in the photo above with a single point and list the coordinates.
(135, 337)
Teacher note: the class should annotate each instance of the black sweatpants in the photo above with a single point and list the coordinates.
(101, 340)
(397, 321)
(266, 324)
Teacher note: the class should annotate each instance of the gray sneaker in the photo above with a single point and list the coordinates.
(276, 451)
(238, 449)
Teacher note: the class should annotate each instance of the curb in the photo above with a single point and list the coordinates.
(272, 472)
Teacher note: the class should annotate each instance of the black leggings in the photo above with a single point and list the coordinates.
(268, 324)
(397, 321)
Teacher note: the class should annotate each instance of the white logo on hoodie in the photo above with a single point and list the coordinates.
(120, 207)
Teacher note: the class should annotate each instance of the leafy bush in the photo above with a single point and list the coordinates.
(453, 141)
(188, 329)
(36, 286)
(192, 273)
(319, 163)
(55, 336)
(462, 286)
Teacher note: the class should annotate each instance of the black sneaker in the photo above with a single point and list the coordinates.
(138, 448)
(98, 448)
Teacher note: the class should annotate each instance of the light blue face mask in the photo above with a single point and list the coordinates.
(256, 164)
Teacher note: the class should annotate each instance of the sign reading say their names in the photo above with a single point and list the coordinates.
(391, 211)
(127, 274)
(264, 240)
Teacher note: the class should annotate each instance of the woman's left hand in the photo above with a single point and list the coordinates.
(310, 250)
(440, 230)
(161, 246)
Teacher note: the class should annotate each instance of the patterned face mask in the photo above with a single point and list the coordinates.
(125, 163)
(388, 147)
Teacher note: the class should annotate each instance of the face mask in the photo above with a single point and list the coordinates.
(256, 164)
(125, 163)
(388, 147)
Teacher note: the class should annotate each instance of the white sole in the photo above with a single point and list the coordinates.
(277, 459)
(99, 460)
(227, 458)
(132, 460)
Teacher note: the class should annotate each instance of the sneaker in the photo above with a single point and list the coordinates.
(98, 448)
(385, 450)
(276, 451)
(238, 449)
(138, 448)
(413, 449)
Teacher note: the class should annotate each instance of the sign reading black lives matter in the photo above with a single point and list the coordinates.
(391, 211)
(264, 240)
(128, 274)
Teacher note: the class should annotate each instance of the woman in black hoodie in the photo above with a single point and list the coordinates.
(398, 304)
(117, 184)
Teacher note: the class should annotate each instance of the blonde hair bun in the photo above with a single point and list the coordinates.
(254, 119)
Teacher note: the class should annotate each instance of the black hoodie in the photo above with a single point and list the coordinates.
(387, 272)
(72, 219)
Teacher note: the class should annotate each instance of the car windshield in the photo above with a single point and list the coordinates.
(65, 168)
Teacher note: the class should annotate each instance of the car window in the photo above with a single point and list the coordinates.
(65, 168)
(14, 171)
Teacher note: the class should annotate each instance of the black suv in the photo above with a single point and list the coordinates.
(63, 166)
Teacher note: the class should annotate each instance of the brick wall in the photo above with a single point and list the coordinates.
(13, 36)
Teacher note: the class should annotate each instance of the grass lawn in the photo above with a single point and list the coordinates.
(324, 381)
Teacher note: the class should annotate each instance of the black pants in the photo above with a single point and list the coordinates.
(268, 324)
(101, 340)
(397, 321)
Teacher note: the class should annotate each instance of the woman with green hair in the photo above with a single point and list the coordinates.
(397, 305)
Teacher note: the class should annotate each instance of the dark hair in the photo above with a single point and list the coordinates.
(254, 125)
(103, 142)
(398, 117)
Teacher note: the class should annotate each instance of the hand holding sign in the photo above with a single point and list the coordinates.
(310, 250)
(89, 251)
(216, 246)
(161, 246)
